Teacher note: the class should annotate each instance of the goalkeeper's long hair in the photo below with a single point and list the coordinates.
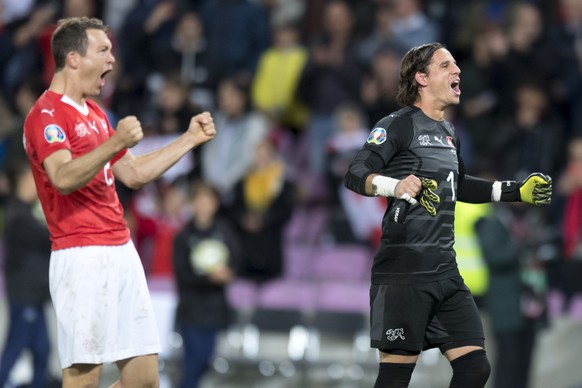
(416, 60)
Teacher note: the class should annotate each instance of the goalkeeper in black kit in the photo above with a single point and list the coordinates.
(418, 299)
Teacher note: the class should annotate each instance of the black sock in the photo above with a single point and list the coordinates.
(392, 375)
(471, 370)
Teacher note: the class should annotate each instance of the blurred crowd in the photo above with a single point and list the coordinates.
(295, 86)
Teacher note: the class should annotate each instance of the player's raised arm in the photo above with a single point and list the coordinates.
(136, 171)
(68, 174)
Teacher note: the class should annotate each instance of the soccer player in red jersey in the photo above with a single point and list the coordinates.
(97, 282)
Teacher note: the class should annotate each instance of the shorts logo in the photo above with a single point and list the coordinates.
(394, 334)
(54, 134)
(377, 136)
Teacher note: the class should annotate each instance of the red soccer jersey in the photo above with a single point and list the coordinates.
(91, 215)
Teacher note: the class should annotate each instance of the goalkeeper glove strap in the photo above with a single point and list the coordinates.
(505, 191)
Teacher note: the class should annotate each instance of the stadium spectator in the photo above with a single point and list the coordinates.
(331, 76)
(226, 161)
(481, 100)
(530, 136)
(146, 26)
(274, 87)
(205, 255)
(380, 33)
(237, 32)
(262, 205)
(26, 273)
(380, 82)
(410, 25)
(353, 218)
(570, 188)
(20, 54)
(534, 53)
(186, 52)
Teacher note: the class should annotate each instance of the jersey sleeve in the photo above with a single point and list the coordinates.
(390, 136)
(47, 132)
(471, 189)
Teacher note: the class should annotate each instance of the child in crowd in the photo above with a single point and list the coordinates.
(205, 253)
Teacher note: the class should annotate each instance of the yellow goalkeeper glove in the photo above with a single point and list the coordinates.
(536, 189)
(428, 198)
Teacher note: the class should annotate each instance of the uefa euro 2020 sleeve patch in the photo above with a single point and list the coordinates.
(54, 134)
(377, 136)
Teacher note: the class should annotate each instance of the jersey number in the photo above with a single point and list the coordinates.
(108, 174)
(451, 178)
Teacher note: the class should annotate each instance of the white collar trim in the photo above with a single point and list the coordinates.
(83, 109)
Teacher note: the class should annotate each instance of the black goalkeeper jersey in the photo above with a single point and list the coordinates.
(409, 142)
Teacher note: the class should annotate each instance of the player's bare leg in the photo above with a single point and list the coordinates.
(139, 372)
(82, 375)
(455, 353)
(397, 358)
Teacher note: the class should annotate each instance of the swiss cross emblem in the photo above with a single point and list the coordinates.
(81, 129)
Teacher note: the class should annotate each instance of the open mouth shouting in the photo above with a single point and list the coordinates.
(102, 77)
(455, 87)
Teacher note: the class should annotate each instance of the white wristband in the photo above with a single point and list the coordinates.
(496, 191)
(384, 186)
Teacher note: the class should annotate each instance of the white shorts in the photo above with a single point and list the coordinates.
(102, 303)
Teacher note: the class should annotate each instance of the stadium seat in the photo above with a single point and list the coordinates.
(344, 262)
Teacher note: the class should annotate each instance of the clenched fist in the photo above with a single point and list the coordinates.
(536, 189)
(408, 188)
(129, 131)
(202, 126)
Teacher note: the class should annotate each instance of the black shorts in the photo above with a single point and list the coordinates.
(415, 317)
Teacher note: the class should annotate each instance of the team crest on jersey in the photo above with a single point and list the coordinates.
(450, 141)
(81, 129)
(377, 136)
(54, 134)
(424, 140)
(104, 124)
